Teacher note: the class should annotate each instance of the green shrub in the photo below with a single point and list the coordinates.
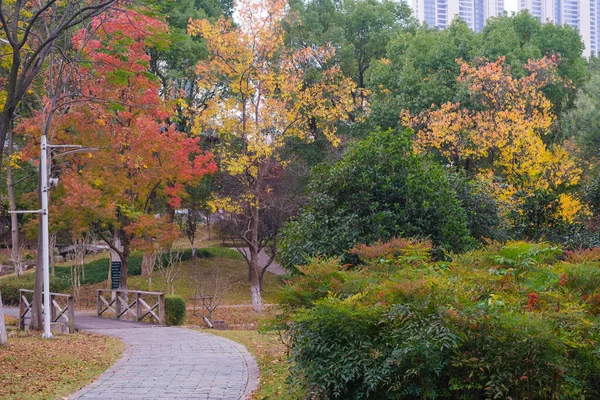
(457, 329)
(525, 255)
(483, 216)
(379, 190)
(9, 286)
(174, 310)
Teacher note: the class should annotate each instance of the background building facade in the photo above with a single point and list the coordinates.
(440, 13)
(579, 14)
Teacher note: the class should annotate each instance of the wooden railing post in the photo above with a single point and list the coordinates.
(21, 311)
(56, 310)
(71, 314)
(120, 304)
(117, 304)
(138, 307)
(99, 302)
(52, 308)
(161, 309)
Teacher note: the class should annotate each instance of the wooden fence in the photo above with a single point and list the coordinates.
(135, 303)
(62, 308)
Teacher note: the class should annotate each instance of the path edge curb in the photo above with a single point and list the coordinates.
(251, 366)
(125, 356)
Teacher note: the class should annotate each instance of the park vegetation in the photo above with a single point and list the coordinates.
(512, 321)
(433, 194)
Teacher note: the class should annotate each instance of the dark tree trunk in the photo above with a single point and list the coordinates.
(38, 288)
(254, 272)
(124, 262)
(5, 120)
(3, 335)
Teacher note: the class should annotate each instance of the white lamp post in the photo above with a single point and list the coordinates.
(44, 147)
(45, 241)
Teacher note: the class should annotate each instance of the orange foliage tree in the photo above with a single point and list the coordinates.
(141, 164)
(256, 96)
(502, 132)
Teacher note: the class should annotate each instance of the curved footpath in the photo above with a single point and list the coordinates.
(169, 363)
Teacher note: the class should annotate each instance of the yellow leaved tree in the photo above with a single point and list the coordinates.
(501, 132)
(257, 94)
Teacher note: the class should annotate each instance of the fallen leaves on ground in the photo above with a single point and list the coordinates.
(236, 318)
(32, 367)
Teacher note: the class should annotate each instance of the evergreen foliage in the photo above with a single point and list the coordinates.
(378, 190)
(501, 322)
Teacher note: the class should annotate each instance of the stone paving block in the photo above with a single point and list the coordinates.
(174, 363)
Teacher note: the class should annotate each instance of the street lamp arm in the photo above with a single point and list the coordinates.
(79, 150)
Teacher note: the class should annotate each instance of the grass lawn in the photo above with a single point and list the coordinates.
(271, 355)
(34, 368)
(232, 269)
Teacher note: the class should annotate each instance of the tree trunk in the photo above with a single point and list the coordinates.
(5, 120)
(14, 221)
(147, 264)
(51, 245)
(3, 334)
(208, 224)
(38, 288)
(254, 275)
(124, 270)
(125, 241)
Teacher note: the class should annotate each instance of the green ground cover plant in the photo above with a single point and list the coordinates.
(518, 321)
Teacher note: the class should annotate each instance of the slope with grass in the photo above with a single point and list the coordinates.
(231, 266)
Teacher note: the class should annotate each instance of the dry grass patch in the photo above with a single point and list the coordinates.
(236, 317)
(10, 321)
(34, 368)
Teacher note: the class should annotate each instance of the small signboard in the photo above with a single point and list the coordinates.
(115, 274)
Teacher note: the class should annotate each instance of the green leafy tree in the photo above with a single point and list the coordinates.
(522, 37)
(483, 217)
(582, 122)
(360, 29)
(419, 70)
(377, 191)
(175, 65)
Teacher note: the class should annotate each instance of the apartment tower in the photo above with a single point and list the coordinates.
(440, 13)
(579, 14)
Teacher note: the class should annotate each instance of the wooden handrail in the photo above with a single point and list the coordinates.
(56, 311)
(130, 302)
(131, 291)
(51, 293)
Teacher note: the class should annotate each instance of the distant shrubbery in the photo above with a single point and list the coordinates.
(519, 321)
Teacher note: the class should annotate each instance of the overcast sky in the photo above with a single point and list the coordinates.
(510, 5)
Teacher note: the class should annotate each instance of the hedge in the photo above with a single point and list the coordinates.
(174, 310)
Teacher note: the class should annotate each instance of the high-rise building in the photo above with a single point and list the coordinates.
(440, 13)
(579, 14)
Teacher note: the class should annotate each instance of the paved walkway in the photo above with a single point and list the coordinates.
(169, 363)
(263, 258)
